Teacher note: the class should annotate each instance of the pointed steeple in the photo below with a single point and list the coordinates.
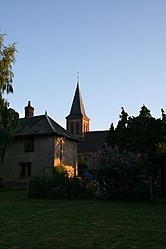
(77, 107)
(77, 120)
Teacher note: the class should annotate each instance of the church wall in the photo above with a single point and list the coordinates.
(66, 154)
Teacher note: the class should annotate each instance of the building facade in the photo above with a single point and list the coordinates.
(39, 145)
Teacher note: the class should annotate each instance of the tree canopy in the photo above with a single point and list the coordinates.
(8, 116)
(143, 133)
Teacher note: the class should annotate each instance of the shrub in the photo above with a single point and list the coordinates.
(78, 189)
(119, 175)
(59, 186)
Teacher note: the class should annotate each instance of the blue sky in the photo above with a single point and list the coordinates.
(117, 46)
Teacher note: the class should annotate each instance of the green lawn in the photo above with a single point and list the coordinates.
(80, 224)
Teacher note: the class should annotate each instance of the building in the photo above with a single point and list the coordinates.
(39, 145)
(78, 124)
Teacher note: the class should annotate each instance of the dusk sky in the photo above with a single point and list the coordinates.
(117, 46)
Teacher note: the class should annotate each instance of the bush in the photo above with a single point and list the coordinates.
(59, 186)
(78, 189)
(48, 187)
(119, 175)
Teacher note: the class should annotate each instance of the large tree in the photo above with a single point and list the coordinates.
(143, 133)
(8, 116)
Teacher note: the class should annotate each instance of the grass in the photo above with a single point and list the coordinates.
(81, 224)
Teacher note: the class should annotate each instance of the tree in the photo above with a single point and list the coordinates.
(121, 174)
(8, 116)
(141, 134)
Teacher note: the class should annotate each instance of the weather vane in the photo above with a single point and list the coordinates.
(78, 77)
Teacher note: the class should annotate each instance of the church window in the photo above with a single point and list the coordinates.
(77, 128)
(84, 127)
(60, 152)
(72, 128)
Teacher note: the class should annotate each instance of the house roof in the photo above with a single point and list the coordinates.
(93, 141)
(40, 125)
(77, 108)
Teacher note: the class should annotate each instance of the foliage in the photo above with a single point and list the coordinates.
(7, 59)
(60, 170)
(59, 186)
(141, 134)
(122, 175)
(82, 166)
(8, 117)
(8, 122)
(47, 187)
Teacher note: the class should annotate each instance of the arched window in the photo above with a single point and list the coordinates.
(72, 128)
(77, 128)
(84, 128)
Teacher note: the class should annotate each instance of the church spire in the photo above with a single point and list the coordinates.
(77, 120)
(77, 107)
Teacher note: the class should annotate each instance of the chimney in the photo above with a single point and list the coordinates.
(29, 110)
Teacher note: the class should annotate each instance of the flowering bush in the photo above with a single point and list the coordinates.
(121, 175)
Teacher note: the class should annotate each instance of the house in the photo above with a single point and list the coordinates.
(78, 124)
(39, 145)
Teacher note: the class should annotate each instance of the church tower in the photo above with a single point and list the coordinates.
(77, 121)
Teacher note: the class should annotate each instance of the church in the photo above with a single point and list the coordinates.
(78, 124)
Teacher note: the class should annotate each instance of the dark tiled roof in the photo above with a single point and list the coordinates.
(77, 107)
(40, 125)
(93, 141)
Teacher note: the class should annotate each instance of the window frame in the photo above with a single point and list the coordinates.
(25, 170)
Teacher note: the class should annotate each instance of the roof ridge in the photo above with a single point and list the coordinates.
(50, 124)
(36, 116)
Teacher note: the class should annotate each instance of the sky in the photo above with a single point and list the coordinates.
(117, 46)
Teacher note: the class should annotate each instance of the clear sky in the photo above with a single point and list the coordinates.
(117, 46)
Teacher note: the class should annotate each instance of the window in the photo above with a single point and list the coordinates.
(60, 152)
(84, 128)
(77, 128)
(29, 144)
(24, 170)
(72, 129)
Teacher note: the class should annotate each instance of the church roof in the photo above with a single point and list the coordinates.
(77, 108)
(93, 141)
(40, 125)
